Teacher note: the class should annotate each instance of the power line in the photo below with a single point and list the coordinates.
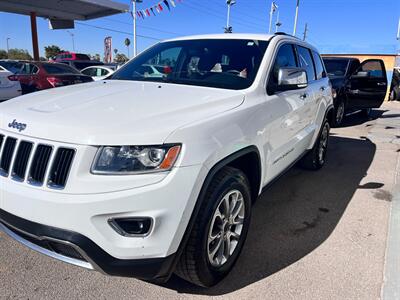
(237, 19)
(145, 27)
(118, 31)
(214, 14)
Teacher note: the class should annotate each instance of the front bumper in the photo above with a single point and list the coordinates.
(76, 249)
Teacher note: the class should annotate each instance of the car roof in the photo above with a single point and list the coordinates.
(238, 36)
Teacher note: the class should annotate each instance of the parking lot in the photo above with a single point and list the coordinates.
(314, 235)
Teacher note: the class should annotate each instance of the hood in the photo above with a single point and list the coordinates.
(114, 112)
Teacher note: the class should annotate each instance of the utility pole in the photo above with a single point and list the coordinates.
(274, 7)
(8, 46)
(398, 31)
(73, 41)
(228, 28)
(295, 17)
(277, 23)
(305, 32)
(134, 15)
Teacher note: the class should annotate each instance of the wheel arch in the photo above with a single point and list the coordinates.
(237, 158)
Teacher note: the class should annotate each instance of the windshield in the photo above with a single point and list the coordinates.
(336, 67)
(223, 63)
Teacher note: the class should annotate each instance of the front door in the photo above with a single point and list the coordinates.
(288, 126)
(367, 87)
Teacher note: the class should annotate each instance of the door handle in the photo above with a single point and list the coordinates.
(303, 97)
(381, 83)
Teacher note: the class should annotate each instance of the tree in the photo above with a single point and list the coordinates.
(3, 54)
(121, 58)
(19, 54)
(96, 57)
(127, 43)
(51, 51)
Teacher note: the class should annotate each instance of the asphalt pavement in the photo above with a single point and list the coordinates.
(331, 234)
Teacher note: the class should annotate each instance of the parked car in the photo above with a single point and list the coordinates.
(8, 89)
(142, 176)
(358, 86)
(35, 76)
(395, 86)
(81, 64)
(98, 72)
(71, 56)
(14, 66)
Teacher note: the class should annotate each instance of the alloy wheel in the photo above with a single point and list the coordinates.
(323, 144)
(226, 228)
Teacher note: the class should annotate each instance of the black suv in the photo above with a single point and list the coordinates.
(358, 86)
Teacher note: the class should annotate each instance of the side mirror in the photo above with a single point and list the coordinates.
(292, 79)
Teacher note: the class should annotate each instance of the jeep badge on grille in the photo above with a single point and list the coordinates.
(16, 125)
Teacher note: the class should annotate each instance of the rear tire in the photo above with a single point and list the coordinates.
(339, 114)
(219, 231)
(316, 157)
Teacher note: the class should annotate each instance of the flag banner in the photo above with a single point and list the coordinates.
(166, 4)
(159, 7)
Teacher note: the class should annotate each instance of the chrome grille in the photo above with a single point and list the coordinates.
(7, 155)
(35, 163)
(60, 169)
(39, 164)
(21, 160)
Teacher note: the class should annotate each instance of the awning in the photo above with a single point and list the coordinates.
(64, 9)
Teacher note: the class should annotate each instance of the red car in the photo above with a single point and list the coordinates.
(35, 76)
(71, 56)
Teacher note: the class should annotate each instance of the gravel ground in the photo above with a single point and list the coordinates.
(314, 235)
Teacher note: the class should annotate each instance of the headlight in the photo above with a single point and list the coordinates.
(122, 160)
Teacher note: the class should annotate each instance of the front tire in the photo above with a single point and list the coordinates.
(219, 231)
(316, 157)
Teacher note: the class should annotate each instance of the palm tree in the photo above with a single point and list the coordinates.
(127, 43)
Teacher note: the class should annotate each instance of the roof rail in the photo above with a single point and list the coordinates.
(284, 33)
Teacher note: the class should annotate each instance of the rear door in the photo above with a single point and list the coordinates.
(367, 87)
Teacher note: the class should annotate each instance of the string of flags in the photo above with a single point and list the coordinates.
(155, 9)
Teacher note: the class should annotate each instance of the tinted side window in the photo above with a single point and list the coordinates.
(374, 68)
(285, 58)
(306, 62)
(34, 69)
(319, 68)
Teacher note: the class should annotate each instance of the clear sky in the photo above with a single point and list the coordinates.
(335, 26)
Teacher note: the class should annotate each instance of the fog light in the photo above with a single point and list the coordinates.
(132, 227)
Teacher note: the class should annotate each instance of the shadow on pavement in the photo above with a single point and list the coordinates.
(295, 216)
(358, 118)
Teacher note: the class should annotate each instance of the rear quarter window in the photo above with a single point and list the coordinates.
(59, 69)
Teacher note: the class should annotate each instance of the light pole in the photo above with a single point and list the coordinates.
(8, 46)
(295, 17)
(277, 24)
(274, 7)
(73, 41)
(228, 28)
(398, 31)
(134, 26)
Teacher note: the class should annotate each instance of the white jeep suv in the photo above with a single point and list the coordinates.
(142, 175)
